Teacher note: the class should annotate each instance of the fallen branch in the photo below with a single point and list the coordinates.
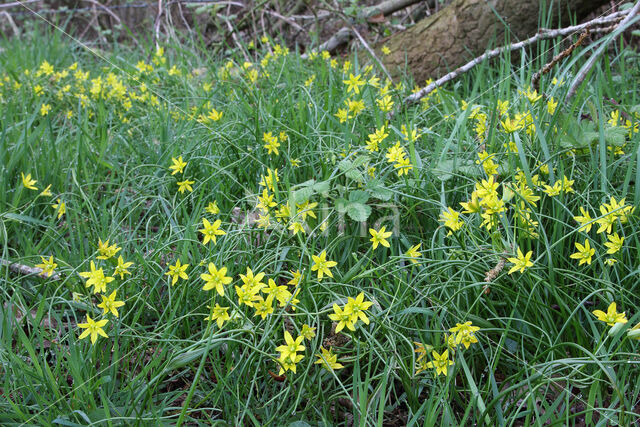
(285, 19)
(582, 74)
(388, 7)
(18, 3)
(371, 52)
(535, 80)
(343, 35)
(13, 25)
(28, 271)
(543, 34)
(156, 31)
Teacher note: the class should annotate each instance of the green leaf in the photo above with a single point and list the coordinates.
(358, 196)
(350, 170)
(447, 168)
(358, 211)
(615, 136)
(321, 187)
(341, 205)
(301, 195)
(376, 189)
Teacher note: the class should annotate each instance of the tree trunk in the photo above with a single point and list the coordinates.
(466, 28)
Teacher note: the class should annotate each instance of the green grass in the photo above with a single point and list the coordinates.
(541, 356)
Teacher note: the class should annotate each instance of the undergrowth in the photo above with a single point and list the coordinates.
(225, 241)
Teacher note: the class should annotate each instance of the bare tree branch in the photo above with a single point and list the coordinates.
(17, 3)
(543, 34)
(28, 271)
(582, 74)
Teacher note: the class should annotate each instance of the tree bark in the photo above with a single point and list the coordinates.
(466, 28)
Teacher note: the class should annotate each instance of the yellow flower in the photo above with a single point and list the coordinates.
(385, 103)
(44, 110)
(413, 253)
(213, 208)
(178, 165)
(96, 278)
(354, 83)
(585, 220)
(328, 360)
(288, 362)
(611, 317)
(211, 231)
(357, 307)
(121, 268)
(263, 307)
(521, 262)
(343, 318)
(386, 50)
(440, 362)
(93, 328)
(185, 186)
(321, 265)
(47, 266)
(109, 304)
(297, 276)
(219, 314)
(47, 191)
(271, 143)
(511, 126)
(61, 207)
(215, 279)
(465, 333)
(451, 219)
(27, 182)
(308, 332)
(105, 250)
(291, 346)
(585, 252)
(380, 237)
(296, 227)
(177, 271)
(551, 106)
(251, 281)
(614, 244)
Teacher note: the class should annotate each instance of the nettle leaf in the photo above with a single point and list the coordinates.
(358, 211)
(358, 196)
(376, 189)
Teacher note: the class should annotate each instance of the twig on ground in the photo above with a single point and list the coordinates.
(388, 7)
(343, 35)
(535, 80)
(582, 74)
(17, 3)
(371, 52)
(543, 34)
(234, 36)
(156, 31)
(285, 19)
(13, 25)
(27, 271)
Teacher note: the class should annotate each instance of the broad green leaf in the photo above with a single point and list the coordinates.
(358, 211)
(358, 196)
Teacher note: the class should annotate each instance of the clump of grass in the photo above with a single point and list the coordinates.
(258, 243)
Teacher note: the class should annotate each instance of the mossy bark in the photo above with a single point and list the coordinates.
(466, 28)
